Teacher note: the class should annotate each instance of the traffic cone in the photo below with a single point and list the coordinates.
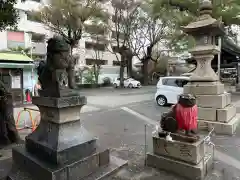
(28, 97)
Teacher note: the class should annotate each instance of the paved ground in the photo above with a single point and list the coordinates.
(119, 117)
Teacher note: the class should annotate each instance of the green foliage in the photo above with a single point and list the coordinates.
(229, 10)
(68, 17)
(8, 14)
(91, 74)
(188, 10)
(89, 77)
(21, 49)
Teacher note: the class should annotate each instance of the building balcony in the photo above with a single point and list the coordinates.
(103, 55)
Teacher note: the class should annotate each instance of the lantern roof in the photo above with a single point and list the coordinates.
(205, 20)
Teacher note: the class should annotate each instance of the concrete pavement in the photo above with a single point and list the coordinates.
(120, 125)
(97, 100)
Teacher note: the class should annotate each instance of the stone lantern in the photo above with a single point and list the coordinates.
(214, 104)
(205, 31)
(193, 159)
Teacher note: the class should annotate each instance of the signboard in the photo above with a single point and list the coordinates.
(16, 82)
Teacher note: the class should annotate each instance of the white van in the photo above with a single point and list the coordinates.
(169, 88)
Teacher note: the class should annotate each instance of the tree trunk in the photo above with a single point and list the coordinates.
(96, 73)
(121, 72)
(8, 131)
(129, 67)
(71, 49)
(145, 72)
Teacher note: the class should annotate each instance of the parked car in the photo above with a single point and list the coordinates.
(128, 82)
(169, 88)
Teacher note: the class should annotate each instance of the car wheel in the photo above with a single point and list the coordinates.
(130, 85)
(161, 100)
(115, 85)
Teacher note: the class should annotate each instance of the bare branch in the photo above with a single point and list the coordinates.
(68, 17)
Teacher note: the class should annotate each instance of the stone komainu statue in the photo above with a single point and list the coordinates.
(8, 131)
(58, 70)
(182, 116)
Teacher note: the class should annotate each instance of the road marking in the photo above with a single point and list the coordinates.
(140, 116)
(105, 109)
(217, 154)
(227, 159)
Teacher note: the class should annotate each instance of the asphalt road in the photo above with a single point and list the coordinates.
(122, 118)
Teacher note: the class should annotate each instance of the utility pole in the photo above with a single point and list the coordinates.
(219, 56)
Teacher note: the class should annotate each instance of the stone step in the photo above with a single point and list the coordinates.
(220, 127)
(25, 163)
(183, 169)
(106, 171)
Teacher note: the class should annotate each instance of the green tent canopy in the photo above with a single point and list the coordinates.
(15, 60)
(10, 56)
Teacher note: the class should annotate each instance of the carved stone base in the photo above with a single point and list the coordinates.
(204, 71)
(60, 148)
(27, 167)
(214, 107)
(61, 143)
(191, 153)
(53, 92)
(204, 88)
(181, 168)
(214, 101)
(220, 127)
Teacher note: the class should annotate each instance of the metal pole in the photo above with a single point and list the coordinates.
(219, 56)
(32, 76)
(145, 144)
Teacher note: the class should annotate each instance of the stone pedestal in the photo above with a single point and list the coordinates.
(190, 160)
(61, 148)
(237, 88)
(214, 107)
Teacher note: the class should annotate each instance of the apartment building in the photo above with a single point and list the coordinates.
(29, 33)
(32, 34)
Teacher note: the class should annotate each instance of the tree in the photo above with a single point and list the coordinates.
(124, 12)
(151, 31)
(228, 10)
(98, 57)
(68, 18)
(20, 49)
(9, 15)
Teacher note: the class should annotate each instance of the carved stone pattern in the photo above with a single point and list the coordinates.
(70, 102)
(184, 151)
(204, 68)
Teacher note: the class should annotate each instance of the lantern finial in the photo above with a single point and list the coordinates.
(205, 7)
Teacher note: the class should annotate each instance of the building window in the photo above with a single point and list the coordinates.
(38, 38)
(175, 82)
(94, 61)
(116, 63)
(31, 17)
(95, 46)
(93, 29)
